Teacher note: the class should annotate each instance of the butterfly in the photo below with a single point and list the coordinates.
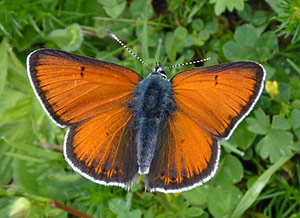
(121, 125)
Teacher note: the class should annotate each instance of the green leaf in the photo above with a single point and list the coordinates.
(116, 10)
(181, 33)
(242, 49)
(118, 206)
(194, 211)
(270, 71)
(245, 35)
(251, 181)
(267, 45)
(295, 87)
(211, 27)
(25, 41)
(246, 53)
(295, 118)
(231, 170)
(3, 63)
(20, 208)
(280, 122)
(189, 41)
(37, 115)
(229, 49)
(246, 14)
(275, 145)
(33, 177)
(62, 186)
(108, 2)
(137, 10)
(19, 112)
(68, 39)
(197, 24)
(263, 119)
(10, 98)
(235, 4)
(128, 200)
(203, 35)
(188, 54)
(254, 191)
(221, 5)
(222, 199)
(6, 161)
(5, 205)
(197, 196)
(275, 4)
(17, 76)
(242, 137)
(132, 214)
(284, 92)
(261, 124)
(171, 46)
(259, 18)
(296, 146)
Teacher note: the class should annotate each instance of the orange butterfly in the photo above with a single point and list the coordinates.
(121, 125)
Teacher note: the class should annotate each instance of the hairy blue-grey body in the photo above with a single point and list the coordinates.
(152, 104)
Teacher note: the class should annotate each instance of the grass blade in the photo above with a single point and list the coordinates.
(294, 65)
(25, 157)
(145, 53)
(3, 63)
(254, 191)
(36, 150)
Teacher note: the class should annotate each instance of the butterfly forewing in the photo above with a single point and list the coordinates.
(73, 88)
(91, 97)
(218, 97)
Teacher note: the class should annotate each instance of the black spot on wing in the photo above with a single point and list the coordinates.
(216, 80)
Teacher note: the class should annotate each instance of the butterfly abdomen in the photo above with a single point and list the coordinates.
(152, 104)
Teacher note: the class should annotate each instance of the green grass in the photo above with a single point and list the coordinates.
(264, 182)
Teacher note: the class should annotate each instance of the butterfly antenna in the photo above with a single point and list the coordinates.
(187, 63)
(128, 49)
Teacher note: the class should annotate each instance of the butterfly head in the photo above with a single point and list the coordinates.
(158, 70)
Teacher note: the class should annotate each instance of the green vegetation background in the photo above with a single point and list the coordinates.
(264, 182)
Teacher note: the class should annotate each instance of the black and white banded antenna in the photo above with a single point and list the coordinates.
(187, 63)
(128, 49)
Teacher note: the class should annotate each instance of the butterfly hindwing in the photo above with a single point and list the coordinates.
(103, 148)
(186, 156)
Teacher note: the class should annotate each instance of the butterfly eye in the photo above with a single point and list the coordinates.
(159, 70)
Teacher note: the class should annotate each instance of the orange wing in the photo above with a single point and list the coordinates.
(73, 88)
(103, 149)
(186, 156)
(211, 101)
(218, 97)
(91, 97)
